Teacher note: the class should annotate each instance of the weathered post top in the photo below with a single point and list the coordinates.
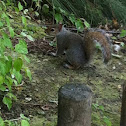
(74, 105)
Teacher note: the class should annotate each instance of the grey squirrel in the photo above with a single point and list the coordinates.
(78, 50)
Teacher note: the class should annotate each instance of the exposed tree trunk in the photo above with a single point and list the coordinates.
(123, 109)
(74, 105)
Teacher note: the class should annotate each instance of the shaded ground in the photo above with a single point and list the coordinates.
(38, 99)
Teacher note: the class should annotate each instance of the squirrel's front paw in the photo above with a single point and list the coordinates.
(52, 54)
(68, 66)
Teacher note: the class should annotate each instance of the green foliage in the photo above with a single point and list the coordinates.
(98, 116)
(20, 6)
(12, 59)
(94, 11)
(58, 17)
(24, 21)
(28, 36)
(24, 123)
(18, 64)
(28, 73)
(21, 121)
(1, 122)
(45, 8)
(81, 9)
(21, 47)
(123, 33)
(79, 23)
(53, 44)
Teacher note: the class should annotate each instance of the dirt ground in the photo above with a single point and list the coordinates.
(38, 99)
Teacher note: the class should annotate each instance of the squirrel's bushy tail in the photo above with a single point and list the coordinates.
(96, 37)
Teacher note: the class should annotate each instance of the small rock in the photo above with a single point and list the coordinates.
(28, 99)
(114, 67)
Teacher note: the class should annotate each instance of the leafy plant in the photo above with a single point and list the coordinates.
(98, 116)
(123, 33)
(21, 121)
(79, 23)
(45, 8)
(12, 58)
(53, 44)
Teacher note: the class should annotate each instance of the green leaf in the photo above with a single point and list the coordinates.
(58, 17)
(9, 82)
(8, 21)
(3, 15)
(9, 123)
(98, 46)
(7, 41)
(8, 64)
(122, 44)
(20, 6)
(11, 30)
(36, 13)
(2, 67)
(24, 123)
(1, 122)
(79, 25)
(28, 73)
(2, 88)
(101, 107)
(25, 11)
(21, 47)
(114, 38)
(7, 101)
(17, 75)
(1, 79)
(87, 24)
(45, 8)
(2, 47)
(18, 64)
(3, 4)
(23, 34)
(107, 121)
(15, 82)
(16, 9)
(123, 33)
(26, 58)
(53, 44)
(24, 21)
(30, 38)
(12, 96)
(1, 24)
(24, 117)
(72, 18)
(63, 11)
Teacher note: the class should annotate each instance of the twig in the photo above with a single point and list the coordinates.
(64, 72)
(32, 104)
(19, 118)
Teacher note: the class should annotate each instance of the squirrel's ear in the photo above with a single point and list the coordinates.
(60, 26)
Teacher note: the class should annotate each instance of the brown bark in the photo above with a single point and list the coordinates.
(74, 105)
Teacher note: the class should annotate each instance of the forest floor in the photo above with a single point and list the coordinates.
(38, 99)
